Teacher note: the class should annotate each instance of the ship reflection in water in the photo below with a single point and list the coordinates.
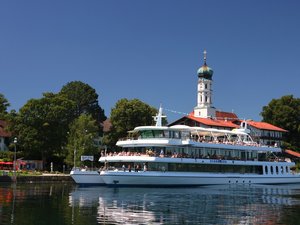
(206, 205)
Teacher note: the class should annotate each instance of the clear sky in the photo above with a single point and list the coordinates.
(151, 50)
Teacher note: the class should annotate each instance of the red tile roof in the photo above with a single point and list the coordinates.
(106, 125)
(212, 122)
(229, 120)
(2, 123)
(226, 115)
(3, 132)
(290, 152)
(265, 126)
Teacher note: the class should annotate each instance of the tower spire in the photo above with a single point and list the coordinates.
(204, 53)
(204, 106)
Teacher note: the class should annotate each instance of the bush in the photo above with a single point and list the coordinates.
(6, 156)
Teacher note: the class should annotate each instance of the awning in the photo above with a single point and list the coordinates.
(6, 163)
(293, 153)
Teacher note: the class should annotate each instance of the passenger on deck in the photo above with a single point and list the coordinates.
(137, 168)
(161, 153)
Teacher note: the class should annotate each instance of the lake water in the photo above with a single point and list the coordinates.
(58, 204)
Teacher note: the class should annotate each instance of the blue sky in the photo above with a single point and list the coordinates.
(151, 50)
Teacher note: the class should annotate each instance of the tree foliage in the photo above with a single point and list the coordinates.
(42, 124)
(85, 99)
(285, 113)
(4, 104)
(82, 135)
(126, 115)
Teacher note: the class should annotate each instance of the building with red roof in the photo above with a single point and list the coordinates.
(4, 135)
(210, 122)
(206, 115)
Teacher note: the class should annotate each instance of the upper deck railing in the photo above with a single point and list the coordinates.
(218, 141)
(150, 153)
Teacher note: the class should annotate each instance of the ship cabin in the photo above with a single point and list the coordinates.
(182, 141)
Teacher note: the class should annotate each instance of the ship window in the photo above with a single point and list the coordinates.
(243, 155)
(271, 169)
(159, 133)
(166, 134)
(146, 134)
(215, 168)
(266, 170)
(185, 134)
(286, 169)
(277, 170)
(176, 134)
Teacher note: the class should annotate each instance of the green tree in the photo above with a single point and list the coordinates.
(41, 126)
(285, 113)
(125, 116)
(85, 98)
(82, 136)
(4, 104)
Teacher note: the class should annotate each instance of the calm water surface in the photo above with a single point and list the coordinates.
(58, 204)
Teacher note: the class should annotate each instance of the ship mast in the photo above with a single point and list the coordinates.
(158, 117)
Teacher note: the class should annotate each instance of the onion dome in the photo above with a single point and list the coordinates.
(205, 71)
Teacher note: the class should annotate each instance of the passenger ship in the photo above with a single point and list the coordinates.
(180, 155)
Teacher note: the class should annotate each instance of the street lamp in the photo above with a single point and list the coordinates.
(15, 160)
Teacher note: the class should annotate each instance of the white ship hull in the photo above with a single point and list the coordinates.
(82, 177)
(160, 179)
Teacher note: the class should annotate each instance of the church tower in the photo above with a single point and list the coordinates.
(204, 106)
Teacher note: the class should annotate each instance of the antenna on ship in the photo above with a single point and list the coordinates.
(158, 117)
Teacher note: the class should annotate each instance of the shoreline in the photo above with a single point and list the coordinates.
(44, 178)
